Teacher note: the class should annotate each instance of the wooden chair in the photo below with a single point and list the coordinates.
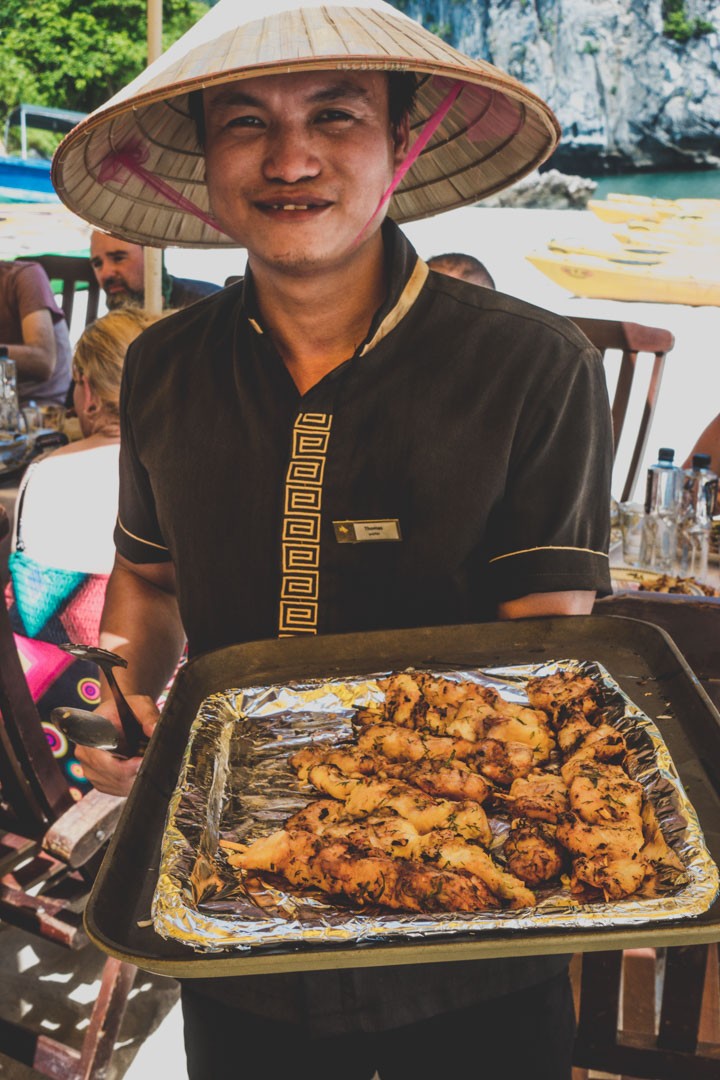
(646, 1012)
(632, 340)
(649, 1013)
(50, 848)
(72, 271)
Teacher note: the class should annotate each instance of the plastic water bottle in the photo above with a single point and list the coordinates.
(663, 496)
(698, 505)
(8, 394)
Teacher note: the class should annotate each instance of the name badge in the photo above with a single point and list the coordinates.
(358, 532)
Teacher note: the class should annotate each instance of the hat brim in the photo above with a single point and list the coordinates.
(496, 132)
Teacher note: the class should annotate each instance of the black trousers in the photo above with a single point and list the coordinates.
(527, 1035)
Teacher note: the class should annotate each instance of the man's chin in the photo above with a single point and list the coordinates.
(125, 298)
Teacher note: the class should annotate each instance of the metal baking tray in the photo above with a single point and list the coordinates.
(640, 657)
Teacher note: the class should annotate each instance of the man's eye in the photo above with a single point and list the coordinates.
(244, 121)
(334, 116)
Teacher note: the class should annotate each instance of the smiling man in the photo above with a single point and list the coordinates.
(341, 385)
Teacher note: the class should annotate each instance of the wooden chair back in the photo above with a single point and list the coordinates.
(649, 1012)
(633, 340)
(72, 271)
(49, 849)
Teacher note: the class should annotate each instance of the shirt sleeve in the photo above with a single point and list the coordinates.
(138, 536)
(551, 531)
(34, 292)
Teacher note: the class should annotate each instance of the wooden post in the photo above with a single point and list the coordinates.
(153, 256)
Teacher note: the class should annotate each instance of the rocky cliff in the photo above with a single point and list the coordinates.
(634, 83)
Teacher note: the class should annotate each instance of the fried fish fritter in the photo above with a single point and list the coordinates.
(533, 852)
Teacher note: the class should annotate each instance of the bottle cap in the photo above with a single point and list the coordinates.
(665, 453)
(701, 461)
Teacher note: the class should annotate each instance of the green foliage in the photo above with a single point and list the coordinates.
(678, 26)
(70, 56)
(590, 48)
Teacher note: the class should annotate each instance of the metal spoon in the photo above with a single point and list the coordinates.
(89, 729)
(135, 737)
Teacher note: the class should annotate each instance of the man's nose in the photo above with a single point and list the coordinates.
(290, 156)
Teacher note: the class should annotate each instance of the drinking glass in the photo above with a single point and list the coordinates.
(632, 517)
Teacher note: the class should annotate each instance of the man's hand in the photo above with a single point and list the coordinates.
(105, 771)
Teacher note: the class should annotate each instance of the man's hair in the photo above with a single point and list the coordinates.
(459, 265)
(402, 89)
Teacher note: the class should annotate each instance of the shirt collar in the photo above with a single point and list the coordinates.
(406, 273)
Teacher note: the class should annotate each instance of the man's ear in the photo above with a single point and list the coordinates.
(401, 140)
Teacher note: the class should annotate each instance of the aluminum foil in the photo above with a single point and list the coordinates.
(236, 784)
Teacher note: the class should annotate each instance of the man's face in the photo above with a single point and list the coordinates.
(119, 268)
(296, 164)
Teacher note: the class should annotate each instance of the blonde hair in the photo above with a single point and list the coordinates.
(100, 353)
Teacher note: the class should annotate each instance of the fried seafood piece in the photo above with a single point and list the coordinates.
(605, 793)
(533, 852)
(604, 745)
(366, 796)
(614, 840)
(563, 693)
(535, 734)
(398, 838)
(615, 878)
(340, 867)
(572, 731)
(384, 831)
(541, 796)
(502, 762)
(450, 853)
(403, 744)
(443, 779)
(404, 703)
(349, 759)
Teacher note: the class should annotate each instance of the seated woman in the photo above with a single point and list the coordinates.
(708, 443)
(62, 550)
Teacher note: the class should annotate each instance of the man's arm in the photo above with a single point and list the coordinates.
(140, 622)
(37, 356)
(552, 603)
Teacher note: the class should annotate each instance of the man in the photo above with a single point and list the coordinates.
(346, 383)
(36, 334)
(464, 267)
(120, 271)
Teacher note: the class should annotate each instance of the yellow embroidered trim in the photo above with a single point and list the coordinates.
(300, 587)
(407, 298)
(549, 547)
(160, 547)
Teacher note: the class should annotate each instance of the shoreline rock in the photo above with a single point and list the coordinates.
(550, 190)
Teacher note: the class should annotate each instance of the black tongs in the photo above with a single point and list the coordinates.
(90, 729)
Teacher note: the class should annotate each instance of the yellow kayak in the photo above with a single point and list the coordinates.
(619, 207)
(652, 280)
(670, 233)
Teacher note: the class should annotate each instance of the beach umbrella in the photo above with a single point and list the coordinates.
(153, 256)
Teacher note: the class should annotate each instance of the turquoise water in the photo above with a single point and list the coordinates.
(662, 185)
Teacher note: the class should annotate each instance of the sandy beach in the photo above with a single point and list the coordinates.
(501, 238)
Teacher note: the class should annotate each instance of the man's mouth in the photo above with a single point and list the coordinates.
(293, 206)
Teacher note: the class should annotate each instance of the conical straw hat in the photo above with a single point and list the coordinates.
(495, 132)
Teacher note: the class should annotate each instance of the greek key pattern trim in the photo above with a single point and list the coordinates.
(300, 587)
